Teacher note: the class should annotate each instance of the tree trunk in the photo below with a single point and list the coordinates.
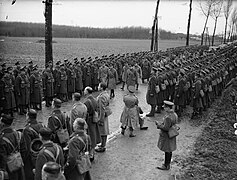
(214, 31)
(226, 21)
(48, 32)
(204, 29)
(189, 21)
(153, 27)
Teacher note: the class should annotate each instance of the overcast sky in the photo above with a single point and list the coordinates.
(173, 15)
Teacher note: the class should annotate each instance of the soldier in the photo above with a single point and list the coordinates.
(151, 92)
(112, 80)
(63, 83)
(87, 75)
(57, 120)
(35, 89)
(22, 86)
(146, 70)
(2, 98)
(139, 74)
(16, 71)
(3, 69)
(71, 81)
(95, 80)
(79, 78)
(179, 99)
(124, 75)
(29, 134)
(131, 78)
(103, 73)
(8, 94)
(50, 152)
(159, 93)
(57, 79)
(29, 69)
(10, 143)
(48, 88)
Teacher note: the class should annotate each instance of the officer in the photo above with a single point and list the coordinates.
(16, 71)
(63, 83)
(57, 79)
(29, 69)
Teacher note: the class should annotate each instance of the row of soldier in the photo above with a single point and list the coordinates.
(24, 87)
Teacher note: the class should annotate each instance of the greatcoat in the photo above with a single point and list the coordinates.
(35, 88)
(22, 86)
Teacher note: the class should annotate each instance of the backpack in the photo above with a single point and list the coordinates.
(14, 160)
(62, 134)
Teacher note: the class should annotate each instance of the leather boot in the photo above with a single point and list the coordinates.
(152, 113)
(131, 132)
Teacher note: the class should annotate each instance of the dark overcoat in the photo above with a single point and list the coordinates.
(63, 82)
(151, 91)
(57, 80)
(48, 82)
(79, 82)
(71, 81)
(93, 128)
(179, 92)
(22, 87)
(165, 143)
(35, 89)
(8, 94)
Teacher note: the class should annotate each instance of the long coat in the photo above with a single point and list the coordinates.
(179, 92)
(131, 79)
(146, 70)
(57, 79)
(197, 99)
(130, 116)
(48, 82)
(8, 94)
(93, 128)
(75, 148)
(43, 158)
(103, 102)
(35, 89)
(88, 76)
(6, 149)
(63, 82)
(165, 143)
(72, 81)
(112, 78)
(151, 91)
(79, 79)
(22, 86)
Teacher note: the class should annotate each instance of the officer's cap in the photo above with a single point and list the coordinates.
(57, 102)
(77, 95)
(30, 62)
(17, 63)
(52, 168)
(6, 119)
(169, 103)
(32, 113)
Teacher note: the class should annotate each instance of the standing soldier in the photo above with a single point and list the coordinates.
(57, 79)
(95, 80)
(124, 75)
(103, 74)
(131, 78)
(79, 76)
(112, 80)
(48, 88)
(151, 92)
(71, 81)
(146, 70)
(2, 98)
(30, 68)
(16, 71)
(88, 75)
(35, 89)
(63, 84)
(179, 99)
(8, 94)
(139, 74)
(159, 92)
(22, 86)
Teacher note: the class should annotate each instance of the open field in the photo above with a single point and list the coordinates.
(14, 49)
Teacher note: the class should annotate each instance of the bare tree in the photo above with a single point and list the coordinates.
(206, 7)
(233, 23)
(215, 14)
(227, 10)
(189, 21)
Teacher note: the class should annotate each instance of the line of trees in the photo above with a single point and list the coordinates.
(20, 29)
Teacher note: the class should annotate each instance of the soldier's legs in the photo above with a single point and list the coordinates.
(123, 130)
(152, 112)
(123, 84)
(137, 85)
(47, 100)
(131, 132)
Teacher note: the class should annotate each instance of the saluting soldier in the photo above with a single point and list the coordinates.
(8, 94)
(57, 79)
(35, 89)
(48, 88)
(22, 87)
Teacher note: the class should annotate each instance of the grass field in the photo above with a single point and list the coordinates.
(14, 49)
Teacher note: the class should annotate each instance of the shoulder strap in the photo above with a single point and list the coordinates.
(18, 138)
(51, 154)
(82, 142)
(32, 129)
(56, 117)
(8, 141)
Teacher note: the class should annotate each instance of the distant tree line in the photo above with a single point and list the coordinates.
(20, 29)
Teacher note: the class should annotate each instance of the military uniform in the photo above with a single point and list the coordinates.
(48, 88)
(79, 79)
(35, 90)
(63, 84)
(71, 82)
(57, 81)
